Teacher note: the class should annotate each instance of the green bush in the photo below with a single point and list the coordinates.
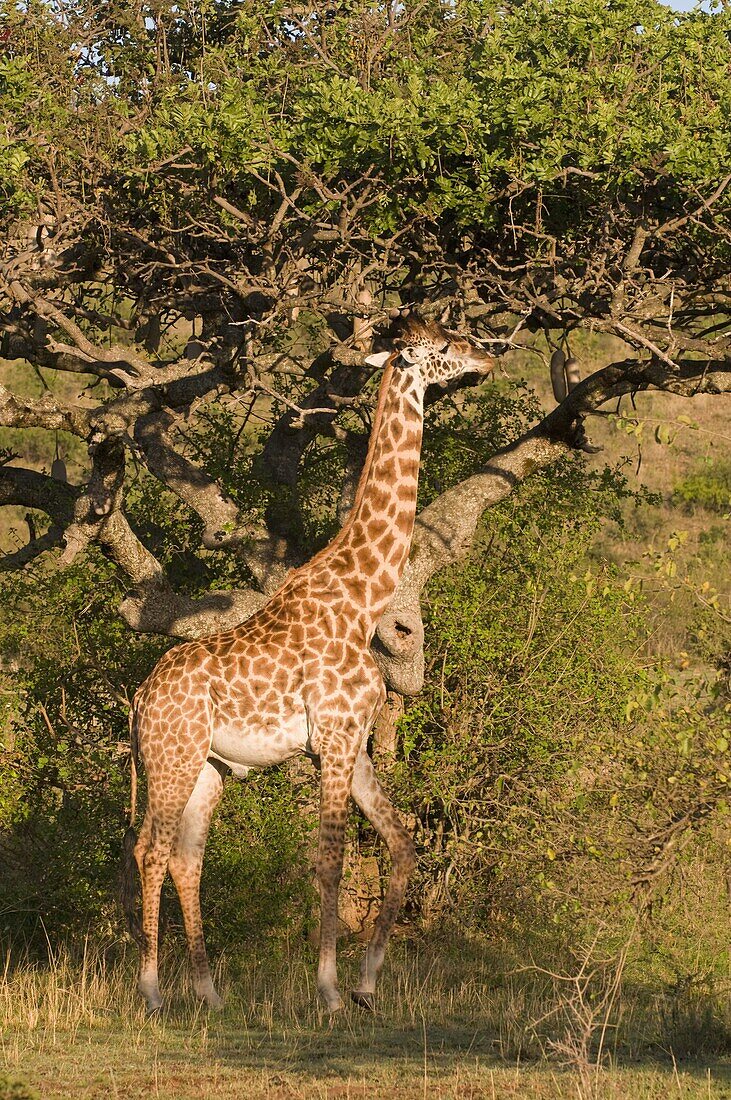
(709, 487)
(16, 1090)
(258, 881)
(549, 759)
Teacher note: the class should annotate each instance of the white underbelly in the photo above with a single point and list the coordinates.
(252, 744)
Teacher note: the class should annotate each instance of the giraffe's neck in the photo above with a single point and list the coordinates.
(370, 552)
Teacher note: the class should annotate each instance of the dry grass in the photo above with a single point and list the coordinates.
(445, 1028)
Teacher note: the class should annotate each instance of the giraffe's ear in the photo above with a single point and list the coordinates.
(378, 358)
(414, 354)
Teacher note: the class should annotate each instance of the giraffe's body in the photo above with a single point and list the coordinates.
(297, 677)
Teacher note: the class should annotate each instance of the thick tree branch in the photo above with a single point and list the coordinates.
(151, 610)
(30, 489)
(223, 528)
(445, 530)
(17, 412)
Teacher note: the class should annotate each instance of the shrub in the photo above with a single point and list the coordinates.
(709, 487)
(550, 765)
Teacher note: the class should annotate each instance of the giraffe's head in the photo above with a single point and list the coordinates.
(435, 353)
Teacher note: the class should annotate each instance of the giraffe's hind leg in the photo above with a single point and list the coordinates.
(152, 852)
(337, 757)
(171, 779)
(369, 796)
(186, 863)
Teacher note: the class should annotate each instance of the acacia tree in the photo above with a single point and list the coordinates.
(215, 209)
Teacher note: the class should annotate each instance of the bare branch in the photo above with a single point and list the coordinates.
(16, 412)
(115, 359)
(18, 559)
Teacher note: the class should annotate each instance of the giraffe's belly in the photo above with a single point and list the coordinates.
(258, 741)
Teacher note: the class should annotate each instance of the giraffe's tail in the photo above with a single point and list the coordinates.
(128, 878)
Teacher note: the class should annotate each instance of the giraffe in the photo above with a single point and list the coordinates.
(296, 678)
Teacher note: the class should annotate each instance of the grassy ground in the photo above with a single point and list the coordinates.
(444, 1029)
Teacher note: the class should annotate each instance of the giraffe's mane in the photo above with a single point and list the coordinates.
(373, 439)
(365, 472)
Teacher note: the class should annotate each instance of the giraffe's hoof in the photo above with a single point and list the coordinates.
(207, 993)
(364, 1000)
(153, 1010)
(334, 1005)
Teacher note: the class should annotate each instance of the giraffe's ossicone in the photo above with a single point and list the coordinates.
(297, 677)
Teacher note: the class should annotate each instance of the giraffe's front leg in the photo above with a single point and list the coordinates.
(337, 759)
